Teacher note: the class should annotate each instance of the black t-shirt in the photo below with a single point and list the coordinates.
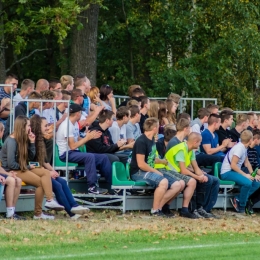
(141, 123)
(144, 146)
(223, 134)
(234, 135)
(161, 148)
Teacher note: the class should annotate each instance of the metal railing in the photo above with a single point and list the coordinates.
(184, 102)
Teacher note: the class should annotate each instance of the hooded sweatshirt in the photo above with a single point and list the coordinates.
(103, 144)
(196, 125)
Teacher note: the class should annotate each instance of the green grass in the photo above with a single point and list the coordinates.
(142, 245)
(109, 235)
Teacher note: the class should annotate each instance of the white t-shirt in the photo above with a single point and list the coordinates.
(18, 96)
(50, 115)
(116, 131)
(61, 135)
(238, 150)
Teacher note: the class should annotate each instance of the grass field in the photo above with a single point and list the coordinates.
(108, 235)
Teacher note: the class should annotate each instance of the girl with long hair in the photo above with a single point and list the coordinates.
(60, 188)
(154, 107)
(162, 116)
(17, 151)
(171, 111)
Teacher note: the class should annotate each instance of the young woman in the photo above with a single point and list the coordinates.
(162, 116)
(18, 150)
(94, 96)
(60, 188)
(171, 111)
(154, 107)
(107, 97)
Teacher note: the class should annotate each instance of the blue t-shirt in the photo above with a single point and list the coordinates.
(207, 138)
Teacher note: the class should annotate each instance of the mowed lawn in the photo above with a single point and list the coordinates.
(109, 235)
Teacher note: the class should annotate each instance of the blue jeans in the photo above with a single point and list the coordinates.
(91, 161)
(205, 194)
(247, 188)
(63, 194)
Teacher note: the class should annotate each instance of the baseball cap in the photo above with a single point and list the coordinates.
(75, 108)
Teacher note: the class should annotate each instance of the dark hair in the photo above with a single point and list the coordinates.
(53, 83)
(34, 95)
(203, 112)
(104, 115)
(225, 115)
(256, 133)
(75, 93)
(134, 110)
(183, 115)
(213, 118)
(144, 101)
(11, 76)
(41, 154)
(137, 92)
(121, 112)
(104, 91)
(169, 133)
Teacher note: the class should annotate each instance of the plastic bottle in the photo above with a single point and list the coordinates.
(254, 173)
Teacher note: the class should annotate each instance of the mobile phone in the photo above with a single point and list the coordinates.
(121, 136)
(36, 164)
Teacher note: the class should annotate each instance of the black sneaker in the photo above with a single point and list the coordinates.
(249, 208)
(235, 204)
(168, 213)
(213, 215)
(158, 213)
(204, 213)
(16, 217)
(188, 215)
(196, 213)
(96, 190)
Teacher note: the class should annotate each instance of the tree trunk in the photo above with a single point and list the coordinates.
(84, 45)
(2, 47)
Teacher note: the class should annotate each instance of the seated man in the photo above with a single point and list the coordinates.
(232, 170)
(133, 130)
(181, 158)
(104, 143)
(198, 123)
(118, 128)
(12, 187)
(142, 168)
(145, 106)
(209, 144)
(242, 123)
(223, 132)
(90, 161)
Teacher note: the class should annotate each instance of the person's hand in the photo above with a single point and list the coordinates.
(248, 176)
(54, 174)
(165, 162)
(2, 180)
(205, 179)
(111, 99)
(13, 174)
(97, 99)
(83, 123)
(31, 136)
(257, 178)
(226, 142)
(120, 143)
(93, 135)
(200, 178)
(32, 166)
(231, 144)
(99, 108)
(156, 138)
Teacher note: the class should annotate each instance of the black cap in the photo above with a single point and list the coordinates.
(75, 108)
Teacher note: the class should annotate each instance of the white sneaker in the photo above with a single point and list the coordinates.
(79, 210)
(53, 205)
(75, 217)
(43, 216)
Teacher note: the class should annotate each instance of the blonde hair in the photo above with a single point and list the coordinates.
(66, 80)
(175, 97)
(241, 118)
(170, 116)
(132, 102)
(150, 123)
(246, 136)
(94, 91)
(154, 107)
